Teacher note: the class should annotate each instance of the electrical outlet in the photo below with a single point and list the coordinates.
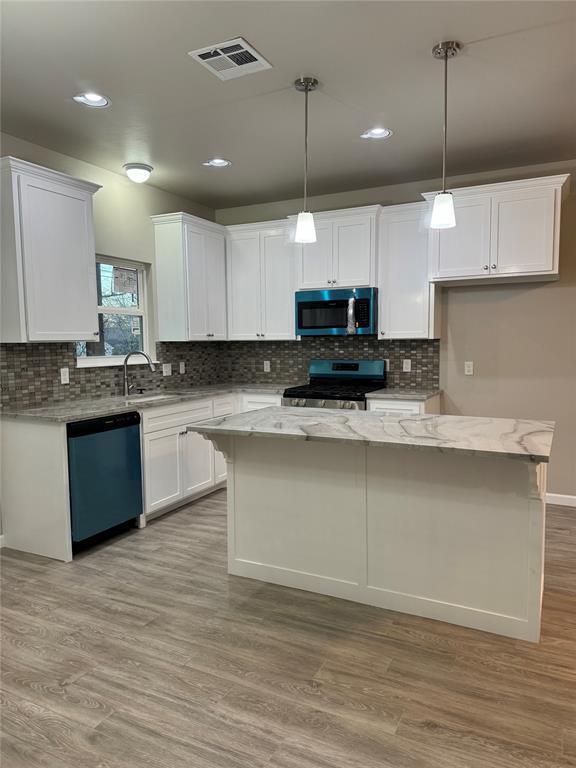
(166, 369)
(182, 366)
(64, 375)
(469, 368)
(266, 366)
(386, 364)
(406, 366)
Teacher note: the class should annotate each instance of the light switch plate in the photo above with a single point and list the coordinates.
(166, 369)
(266, 366)
(469, 368)
(182, 366)
(64, 375)
(407, 366)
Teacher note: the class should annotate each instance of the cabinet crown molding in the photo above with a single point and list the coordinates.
(560, 181)
(362, 210)
(15, 165)
(187, 218)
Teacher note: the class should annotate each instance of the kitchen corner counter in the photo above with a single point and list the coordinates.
(512, 438)
(78, 410)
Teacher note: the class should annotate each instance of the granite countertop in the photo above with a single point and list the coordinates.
(403, 394)
(79, 410)
(514, 438)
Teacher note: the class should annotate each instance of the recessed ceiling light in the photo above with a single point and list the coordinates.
(217, 162)
(138, 172)
(92, 99)
(376, 133)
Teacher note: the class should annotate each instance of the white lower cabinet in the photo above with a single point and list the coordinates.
(162, 468)
(197, 458)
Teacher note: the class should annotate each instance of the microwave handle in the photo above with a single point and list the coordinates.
(351, 324)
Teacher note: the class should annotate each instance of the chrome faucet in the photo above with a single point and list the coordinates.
(128, 387)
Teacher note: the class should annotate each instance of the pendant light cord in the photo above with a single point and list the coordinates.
(445, 134)
(305, 147)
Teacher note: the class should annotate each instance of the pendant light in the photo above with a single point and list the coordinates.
(305, 229)
(443, 210)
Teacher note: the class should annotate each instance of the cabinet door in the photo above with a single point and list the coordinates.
(196, 284)
(316, 259)
(162, 468)
(403, 274)
(522, 231)
(395, 407)
(197, 459)
(277, 284)
(215, 265)
(59, 261)
(463, 251)
(244, 301)
(353, 252)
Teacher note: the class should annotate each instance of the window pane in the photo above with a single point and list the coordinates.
(117, 286)
(119, 334)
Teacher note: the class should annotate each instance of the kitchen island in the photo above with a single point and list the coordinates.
(437, 516)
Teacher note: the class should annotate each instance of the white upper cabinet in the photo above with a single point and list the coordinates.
(507, 231)
(244, 285)
(463, 251)
(190, 278)
(344, 255)
(48, 263)
(261, 282)
(408, 307)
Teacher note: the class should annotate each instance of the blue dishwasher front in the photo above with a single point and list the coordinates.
(105, 473)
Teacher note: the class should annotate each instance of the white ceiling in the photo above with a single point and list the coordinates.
(513, 90)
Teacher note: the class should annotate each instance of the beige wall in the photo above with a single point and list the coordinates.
(122, 209)
(521, 338)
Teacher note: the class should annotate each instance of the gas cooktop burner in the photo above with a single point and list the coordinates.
(337, 384)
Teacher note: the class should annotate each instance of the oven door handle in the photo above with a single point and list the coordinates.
(351, 324)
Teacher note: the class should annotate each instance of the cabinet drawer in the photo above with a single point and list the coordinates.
(254, 402)
(224, 406)
(168, 416)
(396, 407)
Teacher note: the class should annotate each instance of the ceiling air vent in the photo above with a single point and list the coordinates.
(231, 59)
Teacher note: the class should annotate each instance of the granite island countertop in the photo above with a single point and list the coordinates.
(513, 438)
(92, 408)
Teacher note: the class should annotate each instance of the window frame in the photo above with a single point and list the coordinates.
(101, 361)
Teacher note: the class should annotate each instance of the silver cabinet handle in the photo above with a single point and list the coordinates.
(485, 266)
(383, 333)
(329, 282)
(96, 333)
(493, 266)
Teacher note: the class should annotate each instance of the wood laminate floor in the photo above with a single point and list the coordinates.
(144, 653)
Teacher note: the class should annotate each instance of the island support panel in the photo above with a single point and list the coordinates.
(445, 535)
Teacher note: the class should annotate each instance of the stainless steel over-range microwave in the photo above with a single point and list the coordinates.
(337, 312)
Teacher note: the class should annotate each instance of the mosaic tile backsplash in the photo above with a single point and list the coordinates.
(30, 373)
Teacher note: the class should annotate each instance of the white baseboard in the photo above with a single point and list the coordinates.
(561, 499)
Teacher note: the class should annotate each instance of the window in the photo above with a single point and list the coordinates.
(121, 290)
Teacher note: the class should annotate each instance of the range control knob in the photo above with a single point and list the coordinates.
(294, 402)
(302, 403)
(321, 403)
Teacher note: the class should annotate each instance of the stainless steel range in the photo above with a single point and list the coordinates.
(337, 384)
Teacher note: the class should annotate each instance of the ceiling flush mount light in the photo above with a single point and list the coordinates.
(376, 133)
(138, 172)
(443, 210)
(305, 229)
(217, 162)
(92, 99)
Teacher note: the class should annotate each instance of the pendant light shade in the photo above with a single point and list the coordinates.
(305, 229)
(443, 216)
